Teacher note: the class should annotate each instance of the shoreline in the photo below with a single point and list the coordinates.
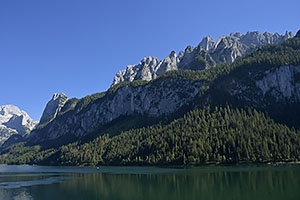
(211, 164)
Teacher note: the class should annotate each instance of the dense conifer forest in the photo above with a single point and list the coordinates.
(218, 135)
(216, 131)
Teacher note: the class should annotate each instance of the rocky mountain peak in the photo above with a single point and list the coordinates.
(53, 107)
(189, 49)
(167, 64)
(237, 34)
(9, 110)
(148, 60)
(58, 95)
(227, 48)
(288, 35)
(14, 121)
(207, 43)
(172, 54)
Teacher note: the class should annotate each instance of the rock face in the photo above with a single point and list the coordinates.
(53, 107)
(162, 96)
(149, 68)
(166, 95)
(63, 119)
(14, 121)
(227, 48)
(281, 83)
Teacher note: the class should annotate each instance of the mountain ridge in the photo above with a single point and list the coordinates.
(171, 90)
(245, 111)
(227, 48)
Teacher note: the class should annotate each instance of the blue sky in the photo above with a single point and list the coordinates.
(77, 46)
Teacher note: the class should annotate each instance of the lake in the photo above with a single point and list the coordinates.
(112, 183)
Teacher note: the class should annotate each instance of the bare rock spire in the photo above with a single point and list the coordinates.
(53, 107)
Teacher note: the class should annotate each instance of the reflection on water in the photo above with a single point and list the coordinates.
(18, 184)
(22, 194)
(153, 183)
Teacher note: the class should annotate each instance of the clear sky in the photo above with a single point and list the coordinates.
(77, 46)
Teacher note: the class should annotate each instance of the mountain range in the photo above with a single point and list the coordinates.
(243, 83)
(208, 53)
(161, 96)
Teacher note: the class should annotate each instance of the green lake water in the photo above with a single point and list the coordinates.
(130, 183)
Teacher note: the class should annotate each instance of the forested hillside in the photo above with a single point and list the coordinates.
(218, 135)
(247, 111)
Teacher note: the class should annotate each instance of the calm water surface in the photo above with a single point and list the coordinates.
(210, 182)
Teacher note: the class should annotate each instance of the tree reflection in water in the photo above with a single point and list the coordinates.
(196, 183)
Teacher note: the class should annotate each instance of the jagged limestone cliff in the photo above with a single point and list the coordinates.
(53, 107)
(281, 83)
(166, 95)
(227, 48)
(160, 97)
(267, 77)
